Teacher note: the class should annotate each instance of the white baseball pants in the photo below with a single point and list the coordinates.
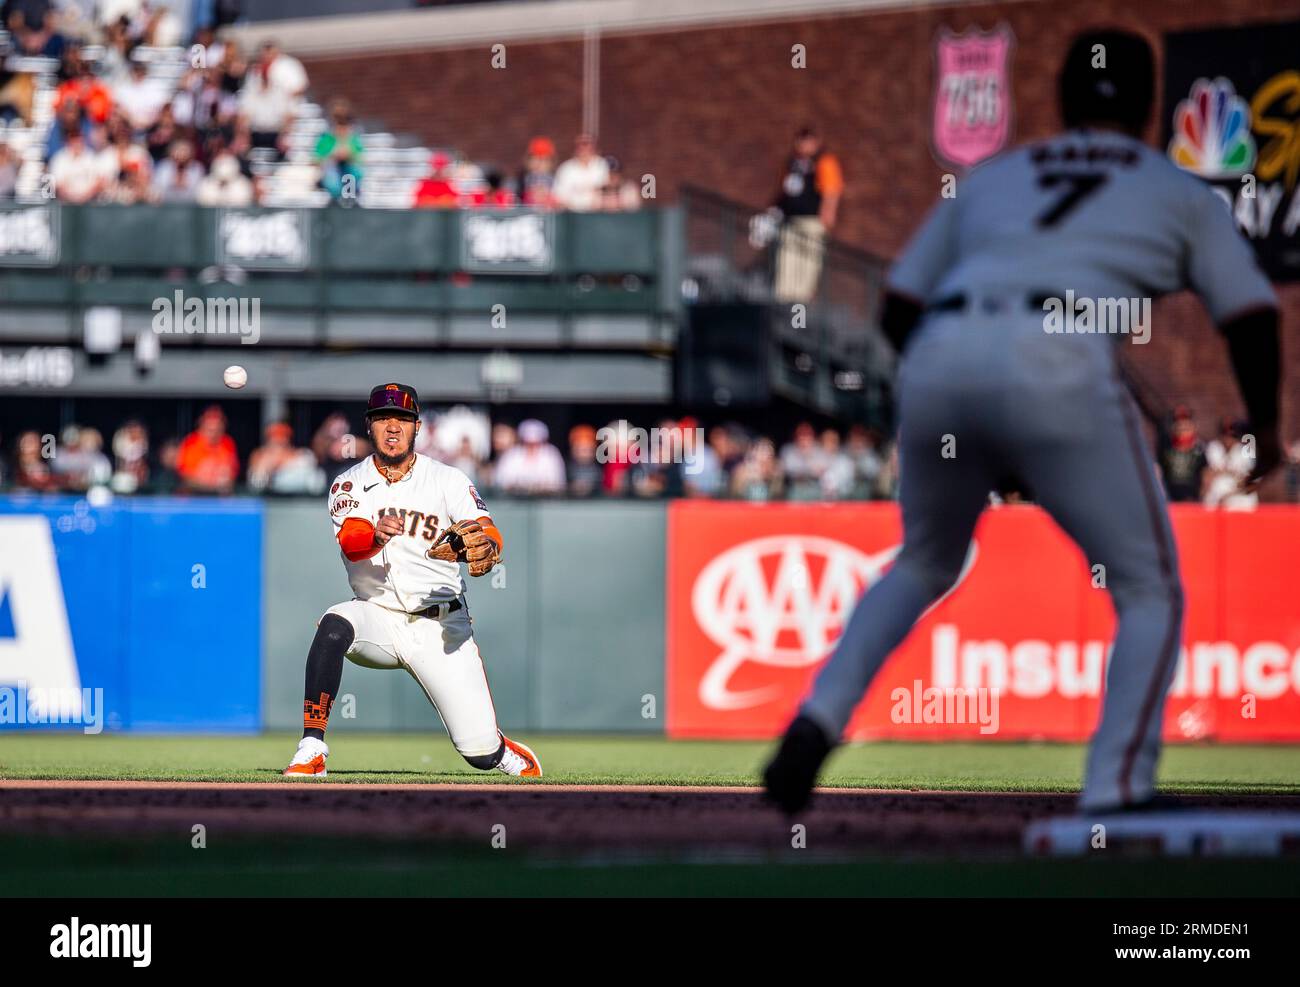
(441, 655)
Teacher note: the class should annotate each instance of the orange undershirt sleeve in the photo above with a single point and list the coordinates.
(357, 539)
(492, 532)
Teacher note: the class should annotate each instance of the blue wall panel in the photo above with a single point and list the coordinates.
(173, 647)
(195, 661)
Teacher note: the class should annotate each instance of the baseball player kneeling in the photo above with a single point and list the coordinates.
(404, 523)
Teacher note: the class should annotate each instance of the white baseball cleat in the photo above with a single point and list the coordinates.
(309, 760)
(519, 760)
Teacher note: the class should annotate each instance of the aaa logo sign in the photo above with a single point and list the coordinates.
(758, 596)
(776, 601)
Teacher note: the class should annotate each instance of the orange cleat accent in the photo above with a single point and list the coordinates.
(315, 768)
(533, 767)
(308, 760)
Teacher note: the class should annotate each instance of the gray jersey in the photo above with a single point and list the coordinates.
(1095, 212)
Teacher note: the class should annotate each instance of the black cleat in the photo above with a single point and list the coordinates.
(791, 774)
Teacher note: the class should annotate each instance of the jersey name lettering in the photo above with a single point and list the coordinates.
(415, 517)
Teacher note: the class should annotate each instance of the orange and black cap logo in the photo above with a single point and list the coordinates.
(393, 398)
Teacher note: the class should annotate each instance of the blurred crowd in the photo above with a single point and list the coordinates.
(587, 181)
(679, 458)
(131, 125)
(674, 458)
(125, 132)
(1213, 471)
(669, 458)
(206, 461)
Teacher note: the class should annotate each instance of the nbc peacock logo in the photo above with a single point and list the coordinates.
(1212, 131)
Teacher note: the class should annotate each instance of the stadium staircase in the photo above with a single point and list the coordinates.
(829, 357)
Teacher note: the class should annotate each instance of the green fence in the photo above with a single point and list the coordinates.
(327, 259)
(572, 636)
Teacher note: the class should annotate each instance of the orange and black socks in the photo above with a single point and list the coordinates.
(334, 636)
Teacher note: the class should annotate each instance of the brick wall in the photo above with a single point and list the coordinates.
(716, 107)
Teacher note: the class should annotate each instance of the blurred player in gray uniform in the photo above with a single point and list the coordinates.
(994, 387)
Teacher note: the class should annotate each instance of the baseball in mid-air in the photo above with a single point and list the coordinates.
(235, 377)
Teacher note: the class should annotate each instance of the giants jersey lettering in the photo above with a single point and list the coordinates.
(427, 500)
(1092, 212)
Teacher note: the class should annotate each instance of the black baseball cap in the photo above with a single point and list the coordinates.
(1108, 76)
(393, 399)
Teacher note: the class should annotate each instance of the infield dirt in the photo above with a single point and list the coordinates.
(554, 817)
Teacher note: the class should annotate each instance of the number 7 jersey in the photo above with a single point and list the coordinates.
(1095, 212)
(429, 498)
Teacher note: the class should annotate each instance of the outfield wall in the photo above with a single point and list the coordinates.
(139, 615)
(193, 615)
(756, 593)
(570, 626)
(704, 619)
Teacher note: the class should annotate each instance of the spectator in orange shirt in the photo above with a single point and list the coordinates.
(437, 191)
(809, 202)
(84, 88)
(207, 461)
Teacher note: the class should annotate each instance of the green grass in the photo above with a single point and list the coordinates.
(599, 760)
(58, 864)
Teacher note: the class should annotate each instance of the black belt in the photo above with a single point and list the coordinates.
(432, 611)
(960, 301)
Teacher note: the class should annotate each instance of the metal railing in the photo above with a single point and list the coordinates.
(821, 300)
(734, 252)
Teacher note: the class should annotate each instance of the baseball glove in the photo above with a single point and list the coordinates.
(466, 541)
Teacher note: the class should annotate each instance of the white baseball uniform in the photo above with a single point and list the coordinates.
(1103, 216)
(393, 586)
